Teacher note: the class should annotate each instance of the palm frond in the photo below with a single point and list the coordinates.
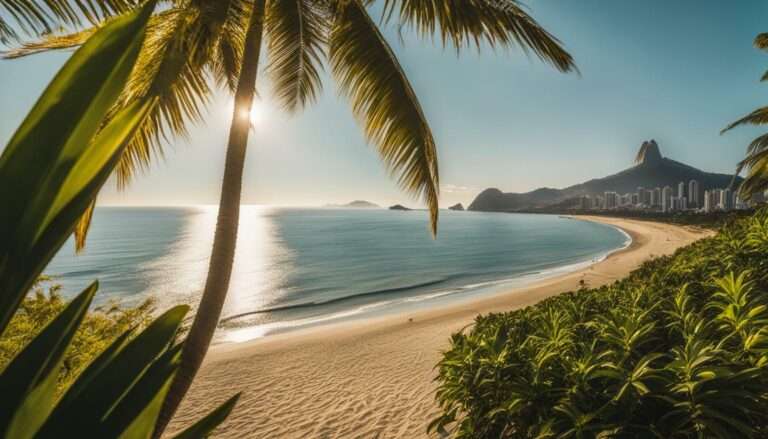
(225, 23)
(37, 17)
(756, 164)
(170, 70)
(295, 32)
(757, 117)
(50, 42)
(369, 74)
(82, 226)
(472, 22)
(761, 41)
(226, 63)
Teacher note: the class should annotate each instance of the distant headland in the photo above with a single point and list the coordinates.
(357, 204)
(651, 171)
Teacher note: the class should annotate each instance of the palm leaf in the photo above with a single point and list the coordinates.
(473, 22)
(170, 72)
(757, 117)
(50, 42)
(206, 425)
(295, 32)
(384, 101)
(28, 382)
(761, 41)
(52, 159)
(43, 16)
(226, 22)
(82, 226)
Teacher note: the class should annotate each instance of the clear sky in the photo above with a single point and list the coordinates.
(676, 71)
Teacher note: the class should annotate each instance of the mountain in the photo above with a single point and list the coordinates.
(357, 204)
(651, 170)
(398, 207)
(456, 206)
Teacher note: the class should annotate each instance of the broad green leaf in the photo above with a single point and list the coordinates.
(105, 389)
(136, 415)
(205, 426)
(42, 168)
(98, 364)
(28, 382)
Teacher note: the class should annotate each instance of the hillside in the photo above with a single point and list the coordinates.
(652, 170)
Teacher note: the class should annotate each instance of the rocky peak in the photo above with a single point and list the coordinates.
(649, 153)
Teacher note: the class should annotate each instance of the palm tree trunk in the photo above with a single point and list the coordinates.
(225, 238)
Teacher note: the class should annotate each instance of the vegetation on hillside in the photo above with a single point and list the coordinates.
(677, 349)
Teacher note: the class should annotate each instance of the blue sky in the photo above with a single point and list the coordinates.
(673, 71)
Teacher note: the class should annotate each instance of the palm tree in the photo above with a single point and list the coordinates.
(226, 38)
(756, 161)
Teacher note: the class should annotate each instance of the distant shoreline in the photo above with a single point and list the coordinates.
(374, 378)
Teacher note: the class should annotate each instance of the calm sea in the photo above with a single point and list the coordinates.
(297, 267)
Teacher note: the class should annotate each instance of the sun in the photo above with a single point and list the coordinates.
(256, 115)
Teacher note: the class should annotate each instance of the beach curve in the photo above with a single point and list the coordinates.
(374, 379)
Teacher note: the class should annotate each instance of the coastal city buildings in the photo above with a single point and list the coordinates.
(685, 196)
(694, 197)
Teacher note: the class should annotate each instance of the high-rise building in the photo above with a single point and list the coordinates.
(666, 199)
(681, 190)
(726, 199)
(611, 200)
(693, 194)
(597, 202)
(656, 197)
(645, 197)
(708, 207)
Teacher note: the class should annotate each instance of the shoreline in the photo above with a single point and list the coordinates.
(373, 378)
(433, 301)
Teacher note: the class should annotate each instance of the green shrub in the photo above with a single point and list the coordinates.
(676, 349)
(99, 329)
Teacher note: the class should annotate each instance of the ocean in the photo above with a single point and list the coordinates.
(298, 267)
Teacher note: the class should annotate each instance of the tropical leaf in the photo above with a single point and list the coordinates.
(757, 117)
(473, 22)
(95, 395)
(295, 31)
(206, 425)
(383, 100)
(43, 16)
(28, 382)
(54, 159)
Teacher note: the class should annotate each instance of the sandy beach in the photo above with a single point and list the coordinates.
(374, 379)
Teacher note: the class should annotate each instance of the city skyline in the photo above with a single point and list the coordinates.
(689, 197)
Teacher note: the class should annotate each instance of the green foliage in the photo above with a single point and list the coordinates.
(99, 328)
(677, 349)
(52, 169)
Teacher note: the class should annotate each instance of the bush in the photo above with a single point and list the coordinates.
(99, 329)
(676, 349)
